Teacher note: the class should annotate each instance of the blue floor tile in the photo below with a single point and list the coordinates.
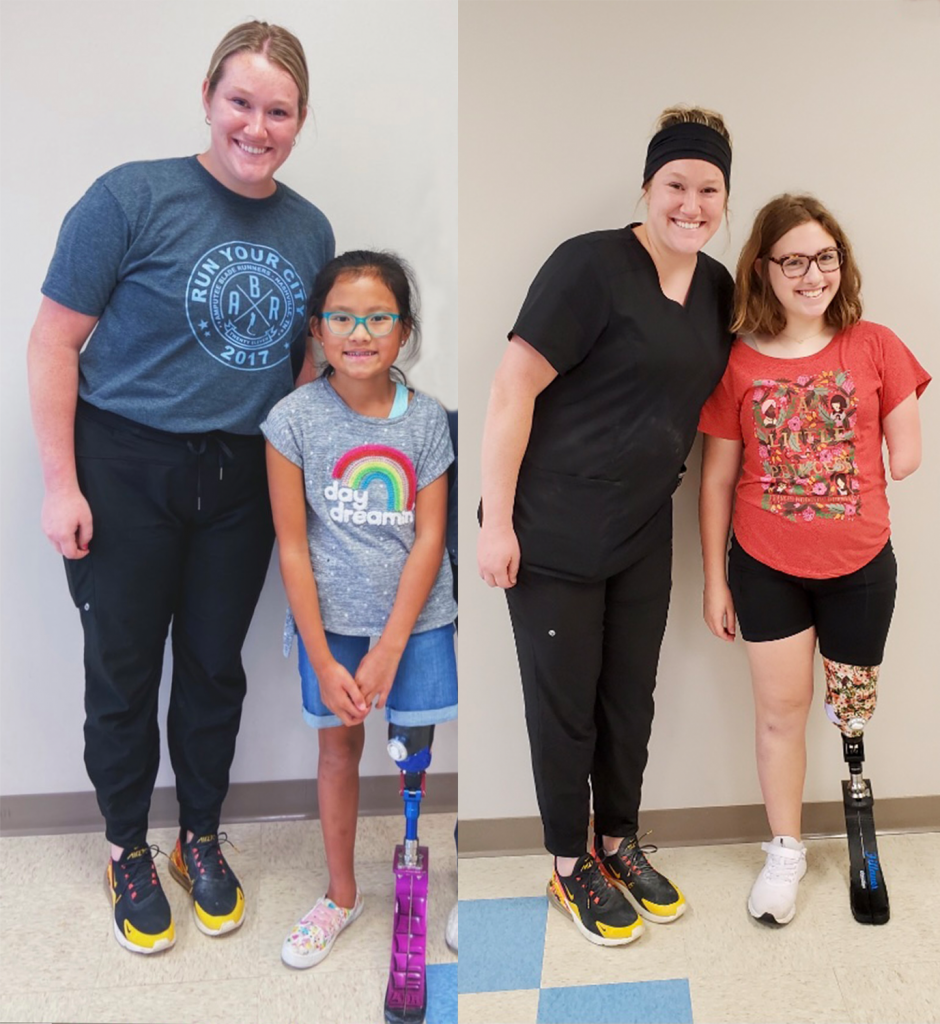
(637, 1002)
(501, 944)
(442, 993)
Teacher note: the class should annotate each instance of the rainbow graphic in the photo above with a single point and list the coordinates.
(360, 466)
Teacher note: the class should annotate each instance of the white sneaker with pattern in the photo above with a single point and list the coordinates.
(773, 895)
(314, 934)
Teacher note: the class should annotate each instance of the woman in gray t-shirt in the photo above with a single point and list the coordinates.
(191, 272)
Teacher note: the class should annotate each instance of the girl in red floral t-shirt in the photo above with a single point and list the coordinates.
(793, 444)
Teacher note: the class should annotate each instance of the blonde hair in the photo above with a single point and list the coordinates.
(757, 309)
(278, 45)
(681, 114)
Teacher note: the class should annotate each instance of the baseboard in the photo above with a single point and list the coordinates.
(703, 826)
(57, 813)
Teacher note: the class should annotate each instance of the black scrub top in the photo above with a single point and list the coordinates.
(611, 432)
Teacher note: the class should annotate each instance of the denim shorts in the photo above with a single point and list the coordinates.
(425, 688)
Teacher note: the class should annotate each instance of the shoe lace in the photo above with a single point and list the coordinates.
(595, 883)
(325, 916)
(208, 855)
(635, 855)
(135, 873)
(780, 869)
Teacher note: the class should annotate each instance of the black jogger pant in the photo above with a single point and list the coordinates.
(182, 534)
(588, 654)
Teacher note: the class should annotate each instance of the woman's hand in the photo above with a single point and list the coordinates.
(66, 521)
(52, 357)
(339, 692)
(719, 610)
(523, 374)
(376, 673)
(498, 556)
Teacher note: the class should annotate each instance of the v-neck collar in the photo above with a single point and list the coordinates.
(651, 266)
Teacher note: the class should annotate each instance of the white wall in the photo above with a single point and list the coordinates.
(557, 103)
(88, 84)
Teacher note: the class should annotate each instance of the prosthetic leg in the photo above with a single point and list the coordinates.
(406, 995)
(850, 703)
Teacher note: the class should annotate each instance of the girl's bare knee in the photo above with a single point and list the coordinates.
(340, 748)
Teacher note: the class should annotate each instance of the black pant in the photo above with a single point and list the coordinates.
(588, 654)
(182, 533)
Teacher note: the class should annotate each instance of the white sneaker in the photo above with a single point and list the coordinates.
(314, 934)
(450, 931)
(773, 895)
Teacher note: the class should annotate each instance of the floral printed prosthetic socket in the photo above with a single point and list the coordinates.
(851, 695)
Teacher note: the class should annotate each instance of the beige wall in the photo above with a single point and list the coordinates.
(557, 101)
(88, 84)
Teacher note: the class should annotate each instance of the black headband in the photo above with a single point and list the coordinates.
(688, 142)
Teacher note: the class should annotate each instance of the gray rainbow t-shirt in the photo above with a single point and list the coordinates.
(201, 294)
(361, 478)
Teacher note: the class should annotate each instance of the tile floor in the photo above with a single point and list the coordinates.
(522, 963)
(60, 962)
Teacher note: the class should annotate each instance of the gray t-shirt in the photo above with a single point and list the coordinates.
(361, 477)
(201, 294)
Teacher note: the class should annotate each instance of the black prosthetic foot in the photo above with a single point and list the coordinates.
(868, 892)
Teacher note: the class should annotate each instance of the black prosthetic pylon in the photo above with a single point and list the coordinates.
(868, 892)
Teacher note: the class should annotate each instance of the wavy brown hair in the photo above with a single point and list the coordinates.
(756, 309)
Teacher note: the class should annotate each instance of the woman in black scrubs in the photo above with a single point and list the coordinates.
(621, 338)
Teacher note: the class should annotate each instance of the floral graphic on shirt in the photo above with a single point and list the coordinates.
(351, 487)
(805, 430)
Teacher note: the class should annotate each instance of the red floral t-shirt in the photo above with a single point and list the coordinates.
(810, 500)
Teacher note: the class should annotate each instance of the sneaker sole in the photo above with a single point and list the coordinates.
(160, 947)
(768, 918)
(186, 882)
(647, 915)
(228, 926)
(598, 940)
(301, 962)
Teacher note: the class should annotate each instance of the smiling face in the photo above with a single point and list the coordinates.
(255, 118)
(359, 356)
(685, 200)
(804, 299)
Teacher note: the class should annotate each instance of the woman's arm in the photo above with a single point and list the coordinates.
(288, 505)
(902, 434)
(522, 375)
(55, 341)
(721, 465)
(376, 671)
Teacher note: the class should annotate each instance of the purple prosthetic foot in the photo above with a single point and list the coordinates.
(406, 997)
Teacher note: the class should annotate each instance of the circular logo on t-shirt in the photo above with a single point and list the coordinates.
(245, 303)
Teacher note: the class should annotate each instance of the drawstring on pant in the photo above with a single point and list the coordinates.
(223, 450)
(197, 446)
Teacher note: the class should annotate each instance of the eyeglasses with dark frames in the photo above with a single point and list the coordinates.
(796, 264)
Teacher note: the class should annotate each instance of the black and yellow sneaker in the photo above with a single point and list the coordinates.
(143, 922)
(653, 895)
(599, 911)
(202, 870)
